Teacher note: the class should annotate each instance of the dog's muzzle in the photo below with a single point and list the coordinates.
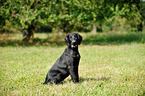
(74, 44)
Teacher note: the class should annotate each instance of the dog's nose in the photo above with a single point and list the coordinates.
(74, 42)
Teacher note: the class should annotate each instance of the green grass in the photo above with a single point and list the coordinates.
(105, 69)
(45, 39)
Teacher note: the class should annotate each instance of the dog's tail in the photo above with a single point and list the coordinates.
(47, 80)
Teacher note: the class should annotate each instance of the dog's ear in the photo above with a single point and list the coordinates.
(79, 39)
(67, 40)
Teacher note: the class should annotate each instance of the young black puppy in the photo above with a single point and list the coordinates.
(67, 63)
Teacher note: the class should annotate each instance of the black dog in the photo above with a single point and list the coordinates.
(68, 62)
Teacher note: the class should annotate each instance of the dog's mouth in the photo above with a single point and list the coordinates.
(74, 46)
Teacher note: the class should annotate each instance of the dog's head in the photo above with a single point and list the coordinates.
(73, 40)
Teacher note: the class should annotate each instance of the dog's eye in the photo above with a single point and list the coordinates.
(75, 36)
(70, 37)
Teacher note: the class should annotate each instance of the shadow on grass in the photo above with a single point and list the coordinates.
(82, 79)
(88, 39)
(94, 79)
(114, 38)
(52, 41)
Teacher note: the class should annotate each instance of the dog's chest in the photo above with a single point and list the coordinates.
(75, 55)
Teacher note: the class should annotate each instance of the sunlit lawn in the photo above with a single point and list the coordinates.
(105, 69)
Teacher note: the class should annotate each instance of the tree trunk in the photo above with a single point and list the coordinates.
(99, 27)
(94, 28)
(29, 33)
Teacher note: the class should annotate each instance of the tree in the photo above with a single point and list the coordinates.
(26, 13)
(125, 12)
(66, 14)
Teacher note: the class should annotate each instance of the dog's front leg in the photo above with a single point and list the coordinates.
(74, 73)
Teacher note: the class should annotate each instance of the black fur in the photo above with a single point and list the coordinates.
(67, 63)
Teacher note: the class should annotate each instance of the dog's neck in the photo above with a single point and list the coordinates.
(73, 49)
